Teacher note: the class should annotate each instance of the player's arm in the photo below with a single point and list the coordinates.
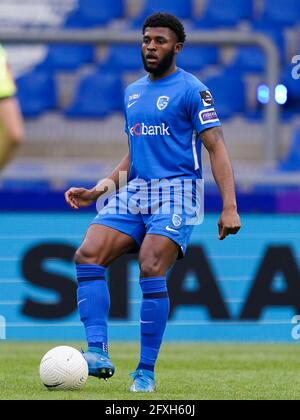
(213, 140)
(81, 197)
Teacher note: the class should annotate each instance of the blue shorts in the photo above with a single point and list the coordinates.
(169, 223)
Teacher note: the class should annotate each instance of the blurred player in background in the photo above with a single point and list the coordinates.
(167, 112)
(11, 123)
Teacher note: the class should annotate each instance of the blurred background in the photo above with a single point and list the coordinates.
(71, 96)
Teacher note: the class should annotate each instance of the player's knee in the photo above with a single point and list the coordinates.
(150, 265)
(84, 256)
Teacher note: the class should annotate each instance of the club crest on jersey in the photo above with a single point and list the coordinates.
(162, 102)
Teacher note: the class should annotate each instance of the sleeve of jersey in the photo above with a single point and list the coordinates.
(7, 86)
(201, 109)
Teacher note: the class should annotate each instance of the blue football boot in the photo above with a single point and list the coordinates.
(143, 381)
(99, 363)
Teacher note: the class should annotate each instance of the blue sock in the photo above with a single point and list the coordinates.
(93, 304)
(154, 316)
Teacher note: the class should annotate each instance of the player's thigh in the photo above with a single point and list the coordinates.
(102, 245)
(158, 254)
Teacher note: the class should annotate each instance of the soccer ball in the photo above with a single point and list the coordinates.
(63, 368)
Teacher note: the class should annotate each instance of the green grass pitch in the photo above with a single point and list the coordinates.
(185, 372)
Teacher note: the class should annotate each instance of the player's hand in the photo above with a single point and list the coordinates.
(79, 197)
(229, 223)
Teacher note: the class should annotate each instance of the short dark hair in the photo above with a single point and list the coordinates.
(165, 20)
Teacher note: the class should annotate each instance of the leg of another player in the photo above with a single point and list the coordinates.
(11, 129)
(157, 255)
(101, 246)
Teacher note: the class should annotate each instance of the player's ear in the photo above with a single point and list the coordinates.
(178, 47)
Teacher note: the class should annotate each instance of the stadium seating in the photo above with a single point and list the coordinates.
(250, 59)
(228, 90)
(17, 14)
(181, 8)
(253, 59)
(98, 95)
(91, 13)
(282, 12)
(37, 93)
(292, 160)
(225, 13)
(67, 58)
(123, 58)
(194, 58)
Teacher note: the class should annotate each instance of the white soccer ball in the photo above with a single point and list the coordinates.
(63, 368)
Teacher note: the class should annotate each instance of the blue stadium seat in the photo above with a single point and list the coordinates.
(226, 13)
(67, 57)
(253, 59)
(123, 58)
(183, 9)
(95, 13)
(229, 94)
(37, 93)
(250, 59)
(97, 96)
(292, 160)
(194, 58)
(282, 12)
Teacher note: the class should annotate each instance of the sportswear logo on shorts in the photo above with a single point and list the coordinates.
(207, 98)
(169, 229)
(177, 222)
(162, 102)
(208, 116)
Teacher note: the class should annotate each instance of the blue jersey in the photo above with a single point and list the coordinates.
(163, 121)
